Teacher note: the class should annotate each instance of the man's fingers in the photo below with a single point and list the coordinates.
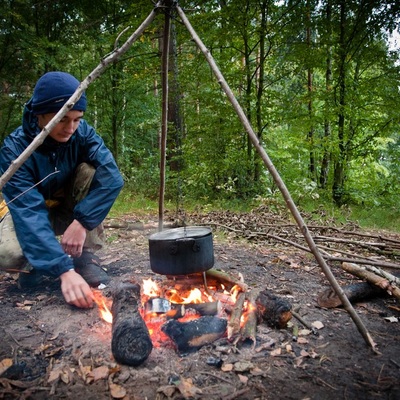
(80, 299)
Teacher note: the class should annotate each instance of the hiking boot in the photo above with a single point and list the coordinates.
(31, 279)
(88, 266)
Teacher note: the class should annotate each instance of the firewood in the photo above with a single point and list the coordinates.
(249, 328)
(354, 292)
(225, 278)
(273, 310)
(131, 343)
(377, 280)
(190, 336)
(236, 315)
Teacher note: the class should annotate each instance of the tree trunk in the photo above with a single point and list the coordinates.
(339, 168)
(175, 120)
(323, 177)
(260, 87)
(310, 135)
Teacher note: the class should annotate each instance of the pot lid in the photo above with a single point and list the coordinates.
(179, 233)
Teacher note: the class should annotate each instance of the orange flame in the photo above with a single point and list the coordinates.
(150, 288)
(105, 312)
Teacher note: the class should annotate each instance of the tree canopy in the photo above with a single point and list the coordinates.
(317, 80)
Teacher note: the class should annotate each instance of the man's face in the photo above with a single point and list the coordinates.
(65, 128)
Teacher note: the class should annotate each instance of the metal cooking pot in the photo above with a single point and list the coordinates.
(181, 251)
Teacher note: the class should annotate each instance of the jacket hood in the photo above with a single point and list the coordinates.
(29, 121)
(31, 128)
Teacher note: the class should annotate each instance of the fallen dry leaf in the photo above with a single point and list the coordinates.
(317, 324)
(117, 391)
(227, 367)
(276, 352)
(243, 366)
(5, 364)
(61, 372)
(257, 372)
(187, 389)
(302, 340)
(99, 373)
(167, 390)
(243, 379)
(304, 332)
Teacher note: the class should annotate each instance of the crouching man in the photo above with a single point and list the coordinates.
(65, 189)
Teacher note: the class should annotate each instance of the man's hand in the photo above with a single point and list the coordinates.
(75, 290)
(73, 239)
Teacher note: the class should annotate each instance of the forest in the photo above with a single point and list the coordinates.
(317, 80)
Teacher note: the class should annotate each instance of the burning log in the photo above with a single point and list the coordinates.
(273, 310)
(131, 343)
(236, 315)
(249, 328)
(190, 336)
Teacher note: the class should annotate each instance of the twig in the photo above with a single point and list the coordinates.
(301, 320)
(215, 376)
(236, 394)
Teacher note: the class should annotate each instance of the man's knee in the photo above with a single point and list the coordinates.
(11, 255)
(82, 180)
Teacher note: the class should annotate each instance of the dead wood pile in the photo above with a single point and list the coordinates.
(273, 225)
(344, 242)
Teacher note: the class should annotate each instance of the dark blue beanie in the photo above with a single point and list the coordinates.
(53, 90)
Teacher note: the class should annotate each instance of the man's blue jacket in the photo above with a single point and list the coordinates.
(28, 208)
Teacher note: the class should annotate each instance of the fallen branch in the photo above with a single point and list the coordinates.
(391, 278)
(377, 280)
(130, 226)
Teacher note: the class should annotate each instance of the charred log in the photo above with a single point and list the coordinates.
(273, 310)
(130, 343)
(355, 292)
(190, 336)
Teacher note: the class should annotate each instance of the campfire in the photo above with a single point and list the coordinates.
(186, 312)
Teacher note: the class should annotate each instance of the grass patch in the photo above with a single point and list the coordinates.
(377, 218)
(366, 217)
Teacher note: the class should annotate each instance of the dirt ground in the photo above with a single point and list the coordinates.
(54, 351)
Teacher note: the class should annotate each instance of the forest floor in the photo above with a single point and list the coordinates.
(49, 350)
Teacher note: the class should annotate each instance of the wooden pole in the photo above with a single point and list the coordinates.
(278, 180)
(164, 117)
